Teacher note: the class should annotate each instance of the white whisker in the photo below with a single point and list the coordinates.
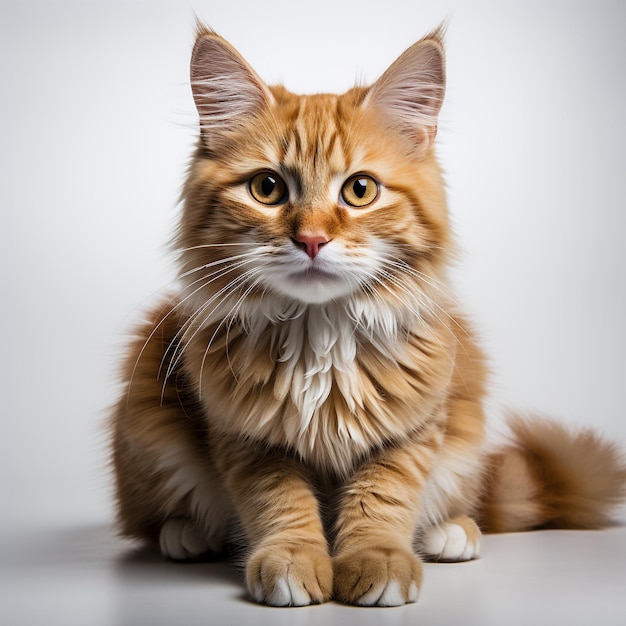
(430, 305)
(180, 336)
(231, 314)
(217, 262)
(213, 245)
(399, 264)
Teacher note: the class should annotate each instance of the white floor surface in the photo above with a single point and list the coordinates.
(87, 577)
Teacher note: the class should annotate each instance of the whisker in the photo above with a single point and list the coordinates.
(213, 245)
(407, 269)
(410, 296)
(176, 306)
(432, 306)
(398, 282)
(220, 273)
(231, 314)
(382, 283)
(204, 281)
(181, 336)
(223, 261)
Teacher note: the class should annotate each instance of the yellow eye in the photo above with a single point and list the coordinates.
(268, 188)
(359, 190)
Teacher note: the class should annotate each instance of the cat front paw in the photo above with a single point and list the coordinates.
(377, 577)
(181, 540)
(287, 576)
(456, 540)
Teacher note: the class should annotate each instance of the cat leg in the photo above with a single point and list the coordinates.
(197, 509)
(168, 491)
(457, 539)
(374, 560)
(289, 563)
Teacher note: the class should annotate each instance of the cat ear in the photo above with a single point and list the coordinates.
(226, 90)
(410, 93)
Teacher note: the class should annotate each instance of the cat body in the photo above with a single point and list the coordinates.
(311, 389)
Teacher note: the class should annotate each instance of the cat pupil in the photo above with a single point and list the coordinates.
(268, 185)
(359, 187)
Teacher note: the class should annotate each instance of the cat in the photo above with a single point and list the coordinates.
(311, 390)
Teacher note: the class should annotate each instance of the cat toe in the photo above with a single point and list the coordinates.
(453, 541)
(180, 539)
(377, 577)
(283, 576)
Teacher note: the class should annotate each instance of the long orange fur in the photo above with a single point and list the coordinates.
(311, 389)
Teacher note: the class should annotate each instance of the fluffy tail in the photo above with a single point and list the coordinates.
(549, 477)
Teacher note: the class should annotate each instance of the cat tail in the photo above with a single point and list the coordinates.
(550, 477)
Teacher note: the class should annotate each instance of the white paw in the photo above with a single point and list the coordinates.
(287, 591)
(389, 595)
(290, 577)
(181, 539)
(449, 542)
(377, 577)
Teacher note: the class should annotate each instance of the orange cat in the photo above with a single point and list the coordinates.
(311, 389)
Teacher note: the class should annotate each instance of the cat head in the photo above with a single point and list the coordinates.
(315, 198)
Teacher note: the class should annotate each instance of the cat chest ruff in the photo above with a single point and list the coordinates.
(330, 381)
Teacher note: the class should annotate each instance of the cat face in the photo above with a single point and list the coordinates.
(313, 198)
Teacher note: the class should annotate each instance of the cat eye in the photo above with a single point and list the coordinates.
(268, 188)
(359, 191)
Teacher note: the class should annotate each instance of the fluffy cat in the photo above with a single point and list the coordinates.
(310, 389)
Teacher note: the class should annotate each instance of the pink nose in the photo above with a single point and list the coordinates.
(311, 244)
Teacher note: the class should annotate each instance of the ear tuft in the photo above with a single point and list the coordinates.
(226, 90)
(410, 92)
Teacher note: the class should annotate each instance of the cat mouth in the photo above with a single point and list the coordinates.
(311, 284)
(313, 274)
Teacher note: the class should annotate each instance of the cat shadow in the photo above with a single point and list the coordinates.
(98, 548)
(146, 563)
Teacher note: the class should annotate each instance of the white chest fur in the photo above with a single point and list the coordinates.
(315, 350)
(298, 377)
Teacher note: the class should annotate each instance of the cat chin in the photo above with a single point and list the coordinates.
(312, 290)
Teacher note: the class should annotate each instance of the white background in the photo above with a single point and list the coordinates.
(97, 124)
